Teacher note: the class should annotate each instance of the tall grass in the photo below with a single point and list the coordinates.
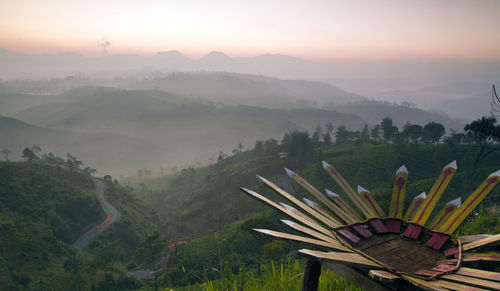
(285, 276)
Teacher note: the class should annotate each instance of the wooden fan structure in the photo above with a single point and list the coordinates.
(397, 248)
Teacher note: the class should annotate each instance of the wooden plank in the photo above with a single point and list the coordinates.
(456, 286)
(332, 222)
(349, 191)
(416, 203)
(472, 281)
(472, 201)
(302, 239)
(435, 194)
(350, 258)
(383, 276)
(309, 231)
(444, 214)
(342, 204)
(490, 256)
(349, 235)
(287, 212)
(477, 273)
(398, 193)
(318, 195)
(476, 244)
(370, 201)
(426, 285)
(472, 238)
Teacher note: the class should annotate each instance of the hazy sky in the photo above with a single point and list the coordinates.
(321, 30)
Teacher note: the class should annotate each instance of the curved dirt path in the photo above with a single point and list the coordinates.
(112, 216)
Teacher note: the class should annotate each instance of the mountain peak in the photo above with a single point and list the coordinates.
(215, 55)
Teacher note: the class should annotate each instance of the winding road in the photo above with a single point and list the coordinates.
(95, 229)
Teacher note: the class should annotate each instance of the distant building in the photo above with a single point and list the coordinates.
(282, 155)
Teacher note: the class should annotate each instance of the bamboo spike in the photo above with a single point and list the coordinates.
(287, 212)
(370, 201)
(309, 231)
(383, 276)
(489, 256)
(342, 204)
(472, 201)
(301, 239)
(352, 258)
(477, 273)
(472, 238)
(444, 214)
(416, 203)
(426, 285)
(475, 244)
(317, 207)
(472, 281)
(435, 193)
(456, 286)
(296, 212)
(331, 222)
(336, 210)
(349, 191)
(398, 193)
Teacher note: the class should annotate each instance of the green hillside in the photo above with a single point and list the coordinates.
(43, 209)
(191, 200)
(206, 206)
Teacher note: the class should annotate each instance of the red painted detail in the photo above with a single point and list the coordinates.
(451, 252)
(417, 205)
(446, 211)
(349, 235)
(445, 174)
(379, 226)
(352, 194)
(466, 208)
(93, 229)
(426, 273)
(437, 241)
(393, 225)
(362, 230)
(367, 197)
(400, 182)
(413, 231)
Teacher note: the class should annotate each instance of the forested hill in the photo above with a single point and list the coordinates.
(42, 210)
(193, 200)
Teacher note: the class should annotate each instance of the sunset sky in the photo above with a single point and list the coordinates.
(315, 30)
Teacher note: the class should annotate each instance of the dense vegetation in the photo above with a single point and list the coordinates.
(44, 207)
(207, 200)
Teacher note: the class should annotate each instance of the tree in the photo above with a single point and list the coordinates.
(259, 146)
(388, 129)
(329, 128)
(74, 265)
(30, 155)
(104, 255)
(413, 132)
(375, 132)
(298, 145)
(150, 252)
(5, 154)
(342, 135)
(364, 135)
(432, 132)
(72, 163)
(483, 131)
(327, 139)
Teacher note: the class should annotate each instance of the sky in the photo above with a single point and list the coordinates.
(314, 30)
